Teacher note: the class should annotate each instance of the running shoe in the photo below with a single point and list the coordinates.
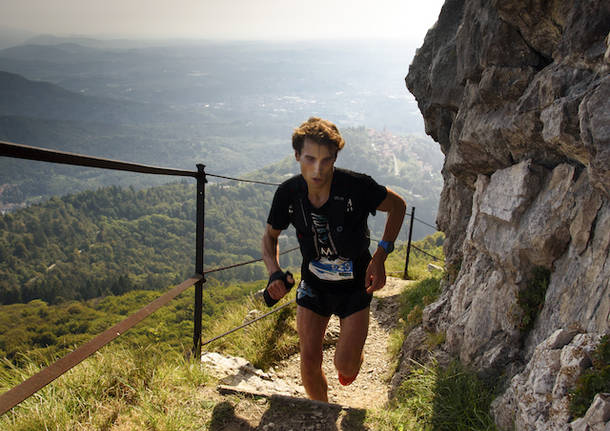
(346, 381)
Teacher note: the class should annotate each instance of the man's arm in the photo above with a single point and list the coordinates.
(270, 256)
(395, 206)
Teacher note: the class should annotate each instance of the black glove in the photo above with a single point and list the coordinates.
(277, 275)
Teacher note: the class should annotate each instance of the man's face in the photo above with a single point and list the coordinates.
(317, 163)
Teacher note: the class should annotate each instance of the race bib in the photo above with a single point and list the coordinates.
(332, 270)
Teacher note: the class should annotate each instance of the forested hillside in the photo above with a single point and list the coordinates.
(114, 240)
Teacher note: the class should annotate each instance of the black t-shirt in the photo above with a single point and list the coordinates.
(334, 238)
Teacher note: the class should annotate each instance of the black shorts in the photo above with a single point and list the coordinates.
(324, 303)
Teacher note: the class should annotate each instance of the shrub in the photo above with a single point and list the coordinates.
(593, 381)
(45, 339)
(462, 401)
(531, 299)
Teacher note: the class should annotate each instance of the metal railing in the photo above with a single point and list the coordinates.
(14, 396)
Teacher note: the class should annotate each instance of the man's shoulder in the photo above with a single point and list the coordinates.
(292, 184)
(349, 178)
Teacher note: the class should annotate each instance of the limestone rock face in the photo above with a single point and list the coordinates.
(552, 370)
(517, 94)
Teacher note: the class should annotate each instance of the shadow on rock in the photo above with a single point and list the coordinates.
(354, 420)
(299, 414)
(286, 413)
(224, 418)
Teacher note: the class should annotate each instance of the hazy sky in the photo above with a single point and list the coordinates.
(232, 19)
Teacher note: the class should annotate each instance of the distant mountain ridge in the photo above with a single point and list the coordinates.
(22, 97)
(12, 36)
(52, 53)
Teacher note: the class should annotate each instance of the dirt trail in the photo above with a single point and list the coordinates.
(282, 404)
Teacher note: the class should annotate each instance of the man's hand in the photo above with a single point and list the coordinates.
(277, 289)
(375, 272)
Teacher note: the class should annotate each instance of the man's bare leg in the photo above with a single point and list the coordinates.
(311, 328)
(354, 330)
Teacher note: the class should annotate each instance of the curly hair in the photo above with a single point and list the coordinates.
(318, 130)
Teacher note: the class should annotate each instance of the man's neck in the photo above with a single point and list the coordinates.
(318, 199)
(319, 195)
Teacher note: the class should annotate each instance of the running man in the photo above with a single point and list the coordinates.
(329, 208)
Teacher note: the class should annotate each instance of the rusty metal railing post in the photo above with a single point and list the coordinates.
(406, 274)
(200, 228)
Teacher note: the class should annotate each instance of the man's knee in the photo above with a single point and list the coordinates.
(348, 364)
(311, 359)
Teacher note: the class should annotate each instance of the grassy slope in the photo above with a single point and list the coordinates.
(143, 381)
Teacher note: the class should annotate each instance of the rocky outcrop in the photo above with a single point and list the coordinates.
(597, 417)
(517, 94)
(240, 374)
(553, 369)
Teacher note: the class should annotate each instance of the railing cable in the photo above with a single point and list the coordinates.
(243, 180)
(427, 224)
(425, 252)
(10, 149)
(222, 268)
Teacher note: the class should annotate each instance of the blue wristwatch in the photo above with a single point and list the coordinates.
(388, 246)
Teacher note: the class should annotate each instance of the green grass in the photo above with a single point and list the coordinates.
(412, 302)
(150, 387)
(397, 338)
(414, 299)
(142, 380)
(432, 398)
(144, 387)
(45, 332)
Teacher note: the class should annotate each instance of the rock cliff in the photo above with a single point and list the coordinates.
(517, 94)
